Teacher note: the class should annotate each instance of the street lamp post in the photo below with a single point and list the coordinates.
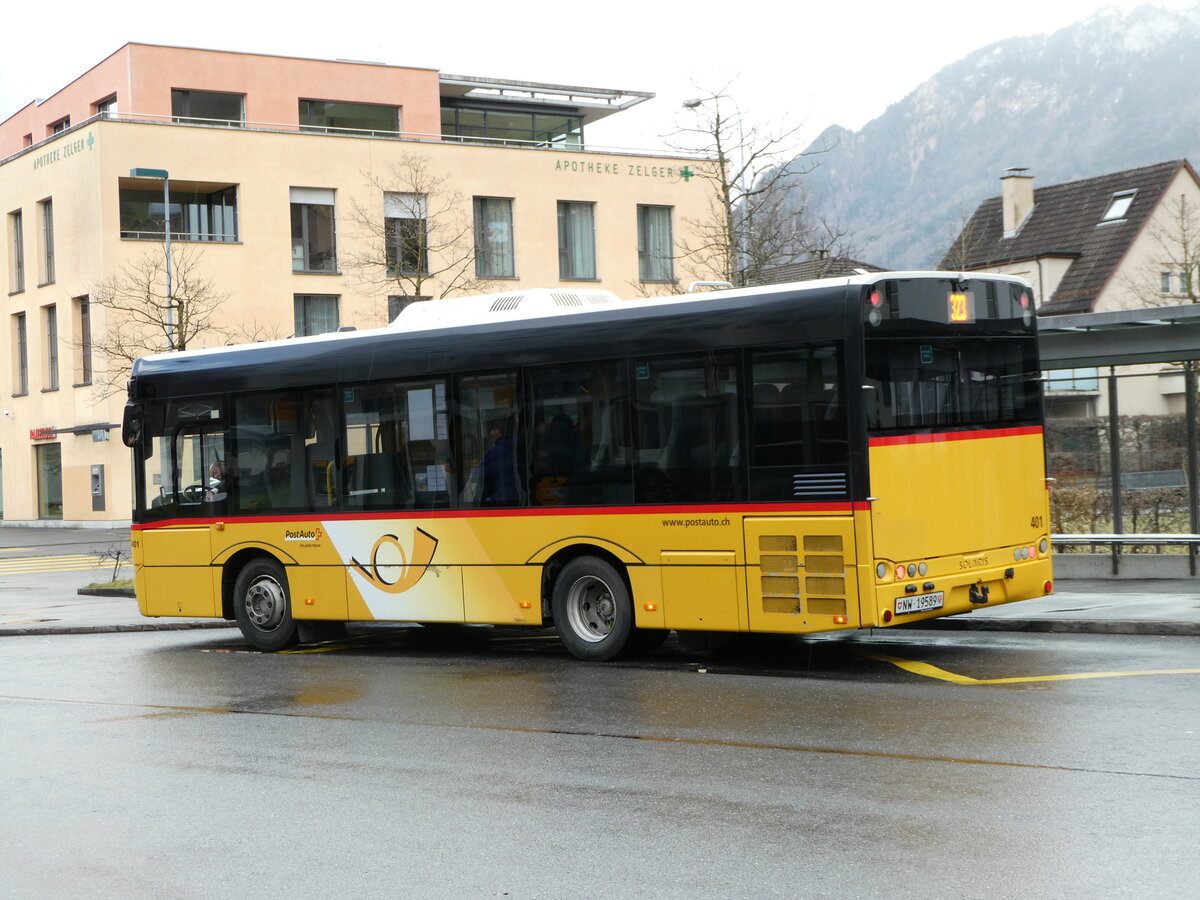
(165, 177)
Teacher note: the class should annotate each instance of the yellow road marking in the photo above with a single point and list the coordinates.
(32, 565)
(931, 671)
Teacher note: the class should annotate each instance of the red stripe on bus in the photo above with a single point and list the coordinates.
(732, 509)
(944, 436)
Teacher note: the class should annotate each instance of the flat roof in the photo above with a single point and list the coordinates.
(593, 102)
(1158, 334)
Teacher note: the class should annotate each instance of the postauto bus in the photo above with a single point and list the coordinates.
(832, 455)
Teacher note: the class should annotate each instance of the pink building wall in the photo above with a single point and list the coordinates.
(142, 76)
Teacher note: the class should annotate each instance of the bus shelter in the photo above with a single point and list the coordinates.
(1121, 430)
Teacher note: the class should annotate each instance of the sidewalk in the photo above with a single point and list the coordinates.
(48, 603)
(1079, 607)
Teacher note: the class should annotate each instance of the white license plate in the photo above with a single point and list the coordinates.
(920, 602)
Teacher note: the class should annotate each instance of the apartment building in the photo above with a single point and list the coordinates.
(296, 196)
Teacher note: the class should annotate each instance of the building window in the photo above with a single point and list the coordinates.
(208, 107)
(315, 314)
(405, 233)
(494, 256)
(50, 329)
(353, 118)
(494, 126)
(83, 337)
(1118, 206)
(61, 125)
(398, 302)
(313, 243)
(205, 212)
(1164, 281)
(655, 261)
(47, 208)
(16, 238)
(576, 241)
(107, 107)
(1072, 380)
(20, 337)
(27, 141)
(49, 480)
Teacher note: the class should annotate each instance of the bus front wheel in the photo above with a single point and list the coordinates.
(263, 606)
(593, 610)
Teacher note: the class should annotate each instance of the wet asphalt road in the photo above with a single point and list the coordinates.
(489, 764)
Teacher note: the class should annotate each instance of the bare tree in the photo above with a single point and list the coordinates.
(142, 316)
(962, 241)
(758, 212)
(1169, 277)
(422, 242)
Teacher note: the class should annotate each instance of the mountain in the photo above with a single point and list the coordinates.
(1115, 91)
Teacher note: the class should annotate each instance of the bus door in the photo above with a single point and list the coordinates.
(187, 483)
(800, 573)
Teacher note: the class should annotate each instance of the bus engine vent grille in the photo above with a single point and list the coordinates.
(566, 298)
(506, 302)
(811, 484)
(779, 568)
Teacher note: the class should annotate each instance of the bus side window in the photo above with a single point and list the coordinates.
(580, 445)
(798, 424)
(687, 441)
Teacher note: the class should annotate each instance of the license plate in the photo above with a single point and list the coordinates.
(920, 602)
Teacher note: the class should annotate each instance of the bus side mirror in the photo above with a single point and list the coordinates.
(131, 425)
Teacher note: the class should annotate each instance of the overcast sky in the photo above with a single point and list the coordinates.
(817, 63)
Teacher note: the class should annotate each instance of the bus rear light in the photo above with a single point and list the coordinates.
(881, 571)
(1048, 587)
(1043, 545)
(1033, 552)
(876, 299)
(900, 571)
(912, 570)
(887, 616)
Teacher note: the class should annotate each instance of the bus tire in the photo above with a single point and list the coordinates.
(593, 610)
(262, 604)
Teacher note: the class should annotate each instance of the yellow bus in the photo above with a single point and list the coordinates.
(831, 455)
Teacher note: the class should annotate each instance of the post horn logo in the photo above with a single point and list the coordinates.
(408, 570)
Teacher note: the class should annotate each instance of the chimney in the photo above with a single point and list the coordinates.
(1016, 198)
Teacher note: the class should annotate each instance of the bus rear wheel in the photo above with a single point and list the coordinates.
(593, 609)
(262, 605)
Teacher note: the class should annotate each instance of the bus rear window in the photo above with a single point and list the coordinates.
(927, 382)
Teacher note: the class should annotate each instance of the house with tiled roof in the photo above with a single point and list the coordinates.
(817, 267)
(1121, 241)
(1091, 245)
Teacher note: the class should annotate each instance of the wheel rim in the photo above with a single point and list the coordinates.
(266, 603)
(591, 609)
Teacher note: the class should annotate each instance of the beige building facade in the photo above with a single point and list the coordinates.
(309, 196)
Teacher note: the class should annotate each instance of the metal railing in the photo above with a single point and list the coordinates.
(1115, 542)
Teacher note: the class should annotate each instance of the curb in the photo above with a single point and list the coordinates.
(1064, 626)
(110, 629)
